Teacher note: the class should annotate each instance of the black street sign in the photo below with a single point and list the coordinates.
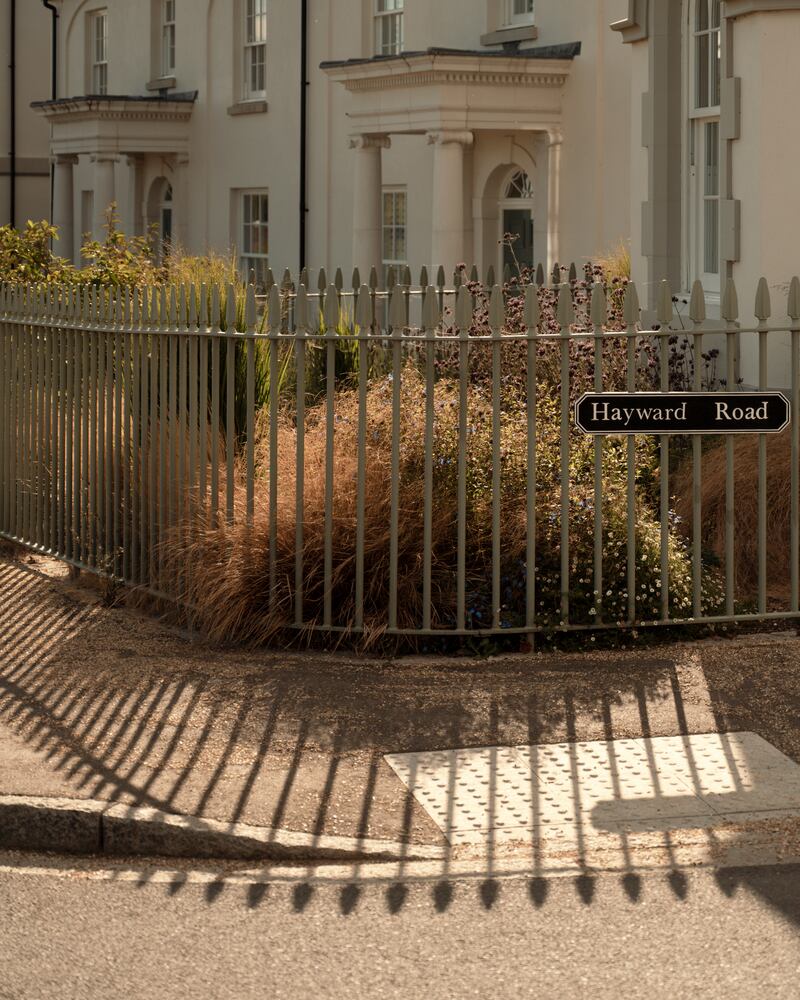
(682, 412)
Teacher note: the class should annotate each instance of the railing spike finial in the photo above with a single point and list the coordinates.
(215, 307)
(473, 274)
(565, 312)
(274, 308)
(531, 306)
(496, 308)
(490, 276)
(423, 277)
(697, 303)
(440, 277)
(396, 309)
(463, 309)
(540, 274)
(364, 310)
(763, 307)
(599, 306)
(373, 278)
(331, 314)
(793, 301)
(230, 307)
(355, 282)
(507, 274)
(301, 309)
(729, 307)
(556, 275)
(304, 277)
(193, 305)
(573, 273)
(250, 309)
(286, 280)
(664, 307)
(630, 308)
(407, 276)
(431, 315)
(338, 280)
(269, 280)
(391, 278)
(322, 281)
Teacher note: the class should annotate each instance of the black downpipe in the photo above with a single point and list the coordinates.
(303, 127)
(54, 77)
(12, 153)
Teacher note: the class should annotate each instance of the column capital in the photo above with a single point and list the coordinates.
(444, 136)
(369, 142)
(554, 137)
(65, 158)
(104, 158)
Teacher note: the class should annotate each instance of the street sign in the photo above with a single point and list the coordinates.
(682, 412)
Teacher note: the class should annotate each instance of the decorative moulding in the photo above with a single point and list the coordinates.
(633, 28)
(248, 108)
(516, 33)
(738, 8)
(162, 83)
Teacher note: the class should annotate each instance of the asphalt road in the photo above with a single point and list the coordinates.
(702, 934)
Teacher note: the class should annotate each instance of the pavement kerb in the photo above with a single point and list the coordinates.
(91, 827)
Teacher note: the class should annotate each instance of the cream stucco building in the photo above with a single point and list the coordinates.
(24, 77)
(341, 132)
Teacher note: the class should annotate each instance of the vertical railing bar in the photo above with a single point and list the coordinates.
(45, 434)
(158, 349)
(663, 445)
(169, 476)
(182, 425)
(300, 378)
(730, 581)
(597, 573)
(115, 366)
(331, 318)
(496, 333)
(365, 329)
(564, 457)
(90, 428)
(631, 481)
(762, 477)
(103, 409)
(144, 462)
(273, 334)
(463, 417)
(697, 469)
(230, 401)
(87, 322)
(132, 451)
(250, 474)
(794, 515)
(203, 414)
(427, 514)
(193, 344)
(394, 508)
(215, 403)
(70, 367)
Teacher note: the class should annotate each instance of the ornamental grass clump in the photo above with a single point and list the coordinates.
(226, 566)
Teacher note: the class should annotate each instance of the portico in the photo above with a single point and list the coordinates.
(104, 150)
(469, 106)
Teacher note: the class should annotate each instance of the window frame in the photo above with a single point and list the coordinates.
(98, 68)
(512, 18)
(256, 260)
(704, 148)
(252, 46)
(396, 193)
(168, 37)
(393, 12)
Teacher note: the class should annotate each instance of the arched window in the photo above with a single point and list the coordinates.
(519, 186)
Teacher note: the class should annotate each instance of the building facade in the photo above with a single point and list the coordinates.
(422, 133)
(25, 49)
(342, 132)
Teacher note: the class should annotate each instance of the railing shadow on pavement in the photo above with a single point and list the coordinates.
(173, 739)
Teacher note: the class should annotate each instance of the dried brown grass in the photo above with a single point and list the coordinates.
(745, 508)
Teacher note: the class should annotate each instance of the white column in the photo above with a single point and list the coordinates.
(180, 222)
(447, 244)
(63, 210)
(553, 199)
(367, 209)
(130, 206)
(103, 192)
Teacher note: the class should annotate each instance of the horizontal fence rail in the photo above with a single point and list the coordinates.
(400, 460)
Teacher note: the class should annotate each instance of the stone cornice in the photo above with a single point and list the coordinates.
(426, 70)
(738, 8)
(128, 109)
(633, 28)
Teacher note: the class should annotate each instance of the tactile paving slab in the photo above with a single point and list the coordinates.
(566, 790)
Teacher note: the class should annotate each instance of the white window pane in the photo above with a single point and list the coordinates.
(702, 71)
(711, 181)
(711, 236)
(714, 72)
(701, 16)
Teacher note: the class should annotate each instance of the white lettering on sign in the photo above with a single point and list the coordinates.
(624, 414)
(726, 412)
